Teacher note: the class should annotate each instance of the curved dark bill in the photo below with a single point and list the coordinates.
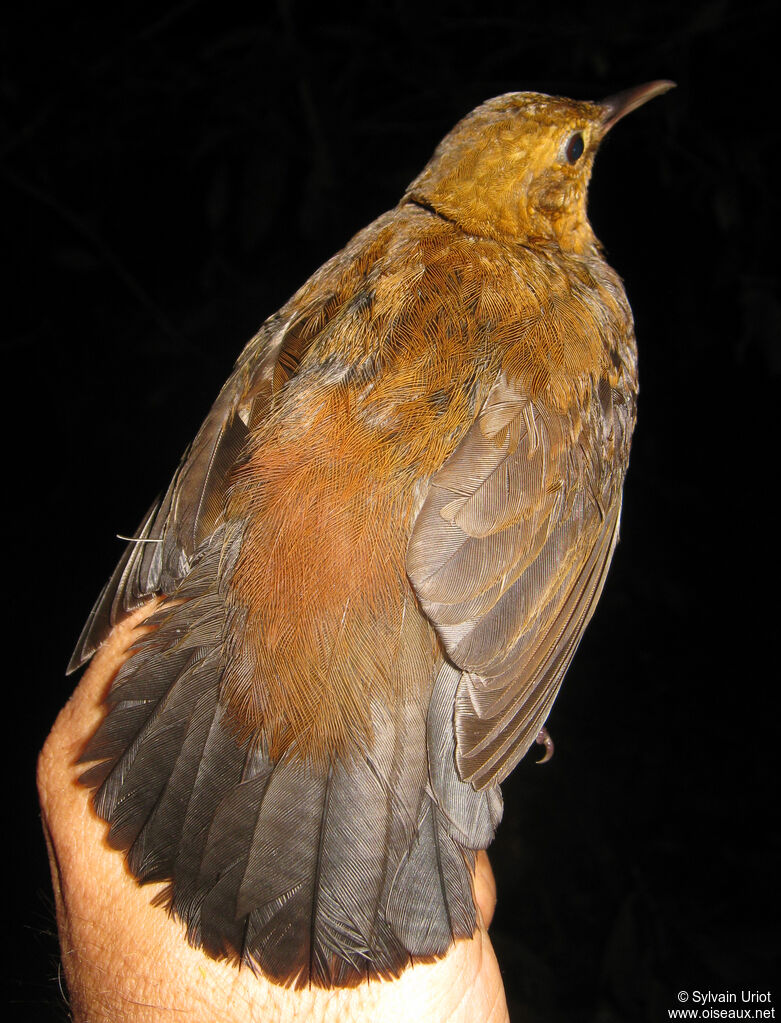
(625, 102)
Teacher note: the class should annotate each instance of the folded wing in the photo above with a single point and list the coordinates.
(508, 557)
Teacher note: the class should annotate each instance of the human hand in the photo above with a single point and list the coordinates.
(126, 960)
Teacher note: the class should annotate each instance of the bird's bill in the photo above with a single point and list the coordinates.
(625, 102)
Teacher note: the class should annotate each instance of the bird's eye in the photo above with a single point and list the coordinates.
(575, 148)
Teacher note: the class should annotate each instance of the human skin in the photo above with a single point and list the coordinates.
(127, 960)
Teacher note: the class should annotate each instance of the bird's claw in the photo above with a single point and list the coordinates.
(544, 739)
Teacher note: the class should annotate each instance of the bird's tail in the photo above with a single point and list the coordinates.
(321, 873)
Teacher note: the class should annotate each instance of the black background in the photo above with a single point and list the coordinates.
(171, 172)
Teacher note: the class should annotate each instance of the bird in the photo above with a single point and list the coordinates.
(374, 564)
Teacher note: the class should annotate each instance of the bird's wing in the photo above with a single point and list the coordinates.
(160, 555)
(508, 557)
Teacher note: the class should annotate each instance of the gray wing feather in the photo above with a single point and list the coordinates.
(160, 554)
(508, 556)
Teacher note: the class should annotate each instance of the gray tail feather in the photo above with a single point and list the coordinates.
(314, 873)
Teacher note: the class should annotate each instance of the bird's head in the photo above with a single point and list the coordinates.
(517, 168)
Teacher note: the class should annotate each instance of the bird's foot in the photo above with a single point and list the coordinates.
(544, 739)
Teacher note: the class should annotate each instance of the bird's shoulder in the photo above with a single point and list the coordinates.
(414, 306)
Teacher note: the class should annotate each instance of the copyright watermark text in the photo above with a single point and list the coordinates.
(744, 1004)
